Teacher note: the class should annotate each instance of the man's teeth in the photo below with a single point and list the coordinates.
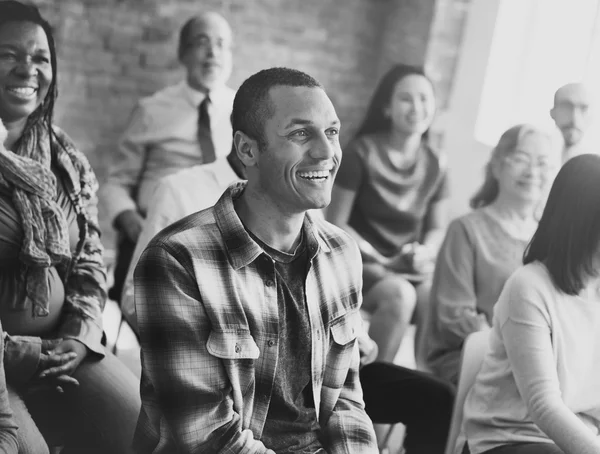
(314, 174)
(24, 91)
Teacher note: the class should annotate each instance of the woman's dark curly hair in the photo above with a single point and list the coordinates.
(13, 11)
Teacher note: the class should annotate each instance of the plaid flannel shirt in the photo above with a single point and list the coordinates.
(206, 302)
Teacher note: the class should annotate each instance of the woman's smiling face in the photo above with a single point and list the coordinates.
(25, 69)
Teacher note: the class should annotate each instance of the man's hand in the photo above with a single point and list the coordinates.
(71, 353)
(130, 222)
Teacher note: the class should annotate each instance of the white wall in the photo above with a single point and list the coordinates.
(466, 155)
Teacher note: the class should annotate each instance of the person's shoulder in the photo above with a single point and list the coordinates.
(194, 176)
(62, 136)
(472, 221)
(161, 98)
(462, 225)
(369, 142)
(333, 236)
(365, 147)
(202, 180)
(227, 94)
(528, 292)
(195, 231)
(532, 278)
(437, 155)
(77, 157)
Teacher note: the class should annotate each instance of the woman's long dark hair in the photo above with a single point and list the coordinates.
(567, 239)
(13, 11)
(375, 119)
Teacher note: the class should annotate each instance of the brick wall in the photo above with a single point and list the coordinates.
(445, 44)
(111, 52)
(443, 49)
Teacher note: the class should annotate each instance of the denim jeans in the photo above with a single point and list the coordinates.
(98, 416)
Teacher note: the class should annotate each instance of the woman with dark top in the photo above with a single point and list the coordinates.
(388, 183)
(63, 385)
(389, 196)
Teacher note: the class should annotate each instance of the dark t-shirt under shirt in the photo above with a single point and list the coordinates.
(291, 425)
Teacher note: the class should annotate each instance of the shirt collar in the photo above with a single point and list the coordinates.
(241, 248)
(195, 97)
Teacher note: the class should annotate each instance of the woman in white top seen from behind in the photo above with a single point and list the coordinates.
(538, 390)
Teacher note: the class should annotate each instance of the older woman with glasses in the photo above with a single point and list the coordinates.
(484, 247)
(537, 390)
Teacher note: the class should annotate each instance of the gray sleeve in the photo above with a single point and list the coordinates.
(526, 337)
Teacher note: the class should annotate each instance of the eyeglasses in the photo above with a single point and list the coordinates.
(522, 162)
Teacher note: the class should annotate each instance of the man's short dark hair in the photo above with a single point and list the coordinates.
(568, 235)
(252, 107)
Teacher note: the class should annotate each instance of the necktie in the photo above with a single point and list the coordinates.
(204, 137)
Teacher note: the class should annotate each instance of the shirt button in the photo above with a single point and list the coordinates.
(237, 348)
(270, 283)
(271, 343)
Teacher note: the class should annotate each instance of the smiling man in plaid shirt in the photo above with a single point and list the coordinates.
(249, 311)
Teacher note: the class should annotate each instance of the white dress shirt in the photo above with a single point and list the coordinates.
(161, 139)
(176, 196)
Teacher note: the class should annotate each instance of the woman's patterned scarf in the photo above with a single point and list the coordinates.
(45, 232)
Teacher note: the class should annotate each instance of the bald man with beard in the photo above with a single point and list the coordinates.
(572, 115)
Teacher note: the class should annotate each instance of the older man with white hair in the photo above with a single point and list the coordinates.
(176, 128)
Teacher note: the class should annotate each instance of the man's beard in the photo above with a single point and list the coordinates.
(572, 136)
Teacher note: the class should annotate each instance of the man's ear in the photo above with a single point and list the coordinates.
(552, 114)
(246, 148)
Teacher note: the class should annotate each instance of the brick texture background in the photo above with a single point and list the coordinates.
(111, 52)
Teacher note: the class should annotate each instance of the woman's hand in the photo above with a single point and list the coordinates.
(49, 359)
(413, 258)
(71, 353)
(423, 259)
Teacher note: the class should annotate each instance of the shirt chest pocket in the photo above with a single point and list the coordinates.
(345, 329)
(238, 351)
(343, 333)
